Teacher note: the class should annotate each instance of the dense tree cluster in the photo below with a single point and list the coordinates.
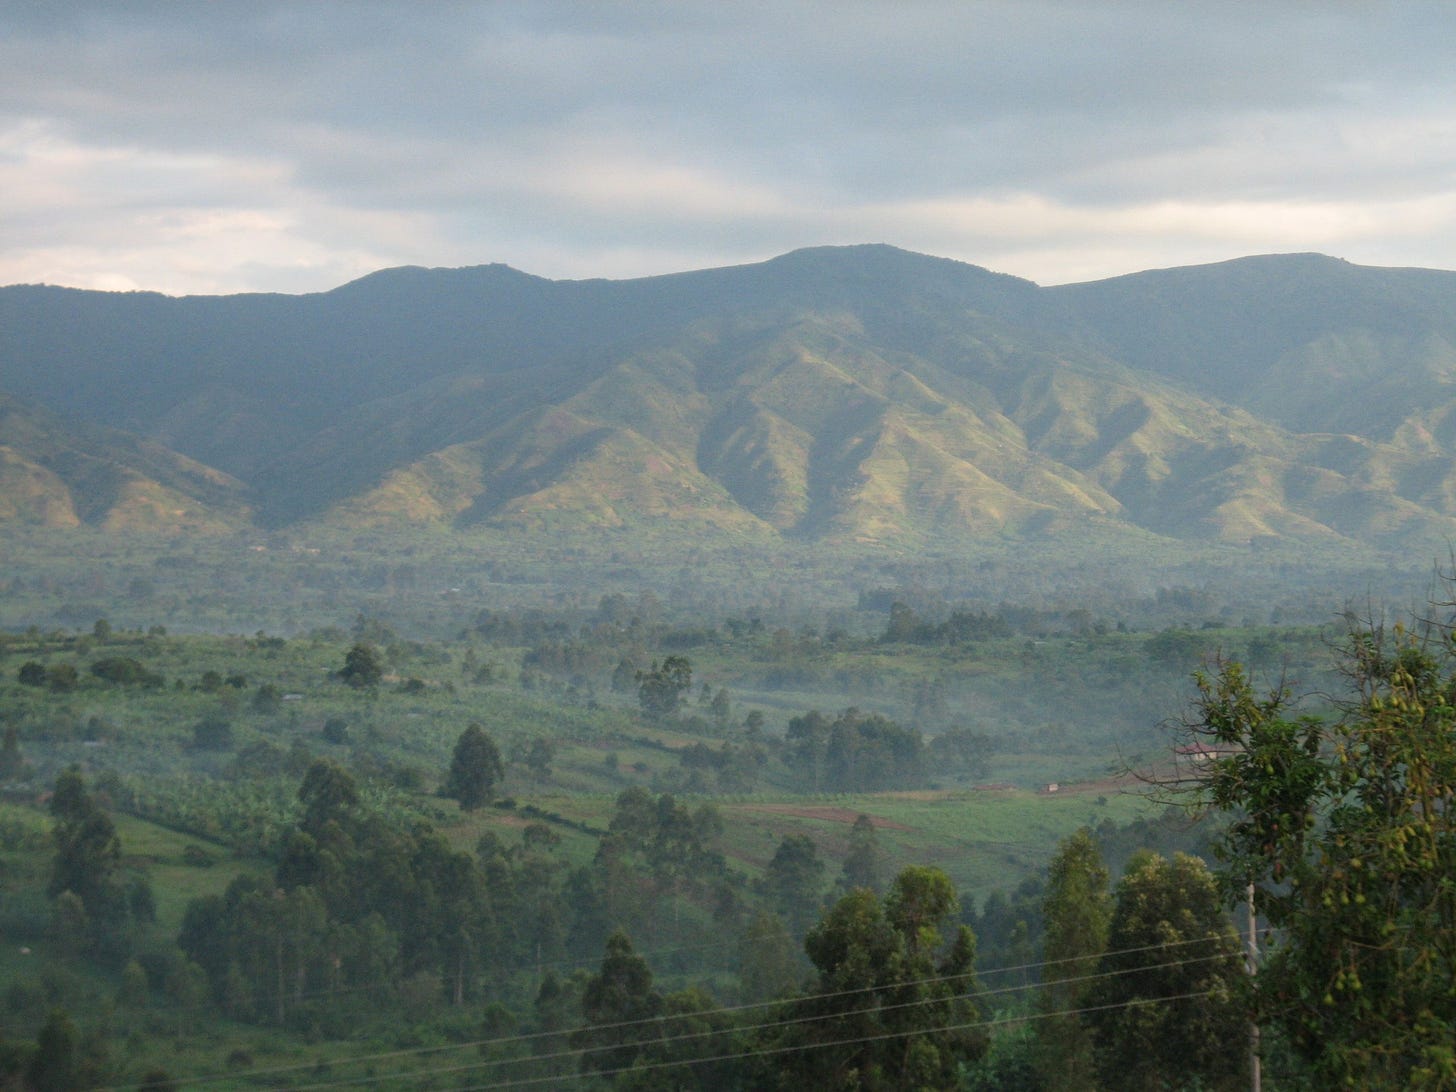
(855, 751)
(661, 687)
(358, 908)
(124, 671)
(356, 902)
(894, 1005)
(570, 658)
(655, 853)
(86, 879)
(961, 627)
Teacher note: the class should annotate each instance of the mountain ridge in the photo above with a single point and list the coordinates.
(858, 394)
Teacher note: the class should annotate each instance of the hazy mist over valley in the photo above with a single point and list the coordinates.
(719, 547)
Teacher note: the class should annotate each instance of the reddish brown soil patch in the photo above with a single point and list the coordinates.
(827, 814)
(510, 821)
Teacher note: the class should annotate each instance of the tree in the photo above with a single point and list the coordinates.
(624, 677)
(13, 766)
(328, 794)
(141, 902)
(54, 1066)
(894, 1004)
(554, 1011)
(267, 699)
(87, 860)
(133, 995)
(203, 936)
(539, 756)
(1076, 912)
(1346, 828)
(769, 963)
(619, 1005)
(660, 688)
(62, 677)
(794, 881)
(863, 861)
(124, 671)
(807, 737)
(475, 767)
(335, 730)
(1165, 1009)
(362, 667)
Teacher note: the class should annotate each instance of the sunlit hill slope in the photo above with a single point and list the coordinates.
(857, 394)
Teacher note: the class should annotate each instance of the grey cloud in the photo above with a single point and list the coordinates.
(470, 113)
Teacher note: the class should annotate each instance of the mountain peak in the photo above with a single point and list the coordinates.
(882, 258)
(414, 276)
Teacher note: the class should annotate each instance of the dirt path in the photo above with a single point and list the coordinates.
(827, 814)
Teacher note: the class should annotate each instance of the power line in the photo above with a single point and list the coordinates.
(623, 1025)
(857, 1040)
(743, 1029)
(649, 955)
(746, 1028)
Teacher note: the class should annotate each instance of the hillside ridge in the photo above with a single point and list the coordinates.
(862, 394)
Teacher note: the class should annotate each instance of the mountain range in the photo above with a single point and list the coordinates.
(857, 394)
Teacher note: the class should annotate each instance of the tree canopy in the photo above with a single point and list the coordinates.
(855, 751)
(475, 768)
(1346, 827)
(660, 688)
(87, 861)
(363, 667)
(1166, 1000)
(1076, 911)
(894, 1003)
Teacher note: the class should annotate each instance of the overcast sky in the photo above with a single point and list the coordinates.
(224, 147)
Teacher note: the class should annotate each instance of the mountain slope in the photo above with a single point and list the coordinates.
(857, 394)
(52, 475)
(1309, 342)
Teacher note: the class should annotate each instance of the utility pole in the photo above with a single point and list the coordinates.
(1255, 1076)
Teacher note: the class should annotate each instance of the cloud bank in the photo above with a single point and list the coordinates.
(289, 147)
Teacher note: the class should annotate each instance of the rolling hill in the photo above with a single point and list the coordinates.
(854, 394)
